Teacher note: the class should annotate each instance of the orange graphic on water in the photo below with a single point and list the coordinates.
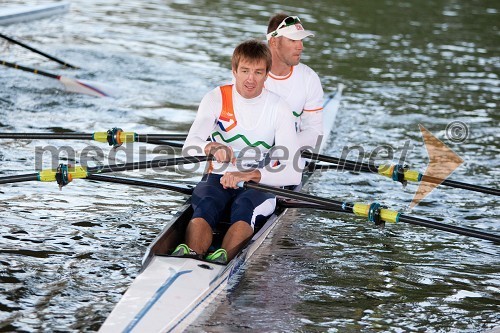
(442, 162)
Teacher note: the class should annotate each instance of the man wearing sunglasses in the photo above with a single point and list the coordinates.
(297, 83)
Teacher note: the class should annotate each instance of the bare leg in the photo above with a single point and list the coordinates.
(199, 235)
(236, 237)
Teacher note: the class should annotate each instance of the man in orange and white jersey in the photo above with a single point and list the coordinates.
(297, 83)
(248, 127)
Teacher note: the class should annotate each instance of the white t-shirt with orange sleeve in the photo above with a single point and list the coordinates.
(302, 90)
(262, 123)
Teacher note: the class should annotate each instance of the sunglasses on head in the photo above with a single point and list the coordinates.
(288, 21)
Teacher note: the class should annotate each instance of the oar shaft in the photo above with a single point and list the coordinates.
(365, 167)
(445, 227)
(80, 172)
(19, 178)
(362, 210)
(465, 186)
(286, 203)
(97, 136)
(158, 163)
(33, 136)
(28, 69)
(294, 195)
(37, 51)
(71, 85)
(141, 182)
(152, 137)
(167, 143)
(338, 167)
(409, 175)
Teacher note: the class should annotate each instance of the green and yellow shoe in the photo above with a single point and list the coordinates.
(219, 257)
(183, 250)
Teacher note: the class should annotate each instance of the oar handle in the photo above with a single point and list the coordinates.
(28, 69)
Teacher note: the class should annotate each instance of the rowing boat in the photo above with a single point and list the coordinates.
(171, 292)
(29, 13)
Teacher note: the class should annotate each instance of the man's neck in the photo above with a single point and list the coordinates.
(280, 69)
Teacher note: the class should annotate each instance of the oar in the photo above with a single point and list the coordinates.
(142, 182)
(48, 56)
(72, 85)
(397, 172)
(167, 143)
(289, 203)
(65, 174)
(114, 137)
(374, 212)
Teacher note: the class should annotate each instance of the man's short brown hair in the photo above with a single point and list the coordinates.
(254, 51)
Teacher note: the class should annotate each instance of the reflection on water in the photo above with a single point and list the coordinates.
(67, 256)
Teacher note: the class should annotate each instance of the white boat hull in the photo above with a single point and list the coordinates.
(170, 290)
(170, 293)
(177, 290)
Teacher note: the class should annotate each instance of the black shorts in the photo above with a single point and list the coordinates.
(210, 200)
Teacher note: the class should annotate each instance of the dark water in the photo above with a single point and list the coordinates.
(67, 256)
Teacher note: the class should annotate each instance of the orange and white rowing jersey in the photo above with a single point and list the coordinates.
(258, 130)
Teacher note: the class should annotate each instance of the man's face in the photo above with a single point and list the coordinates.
(250, 77)
(289, 50)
